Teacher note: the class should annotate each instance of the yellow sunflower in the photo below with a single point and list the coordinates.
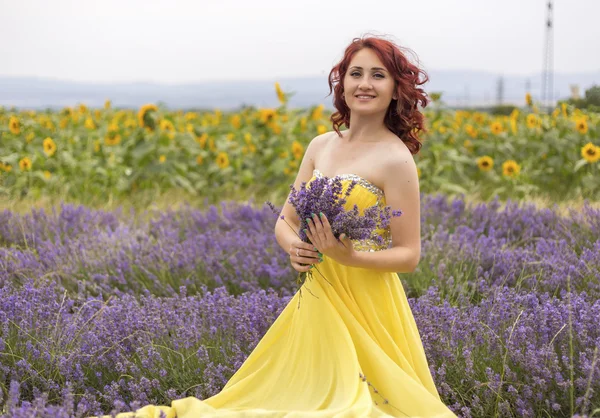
(25, 164)
(581, 126)
(510, 168)
(280, 94)
(479, 118)
(162, 159)
(485, 163)
(528, 99)
(199, 159)
(471, 131)
(143, 113)
(532, 121)
(497, 128)
(223, 160)
(317, 112)
(5, 167)
(267, 115)
(14, 126)
(112, 138)
(590, 152)
(321, 129)
(89, 123)
(47, 174)
(167, 125)
(49, 147)
(236, 121)
(297, 150)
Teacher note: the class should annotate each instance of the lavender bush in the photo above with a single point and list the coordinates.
(106, 311)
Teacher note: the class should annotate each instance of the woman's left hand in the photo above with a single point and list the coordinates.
(320, 234)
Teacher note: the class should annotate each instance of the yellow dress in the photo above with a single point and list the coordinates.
(311, 360)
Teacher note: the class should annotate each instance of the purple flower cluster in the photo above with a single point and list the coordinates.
(326, 195)
(106, 311)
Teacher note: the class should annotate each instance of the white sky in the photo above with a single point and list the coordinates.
(179, 41)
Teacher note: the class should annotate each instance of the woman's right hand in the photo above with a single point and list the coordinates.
(303, 255)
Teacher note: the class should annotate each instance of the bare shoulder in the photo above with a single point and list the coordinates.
(400, 169)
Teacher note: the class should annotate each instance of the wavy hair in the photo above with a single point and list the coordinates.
(403, 116)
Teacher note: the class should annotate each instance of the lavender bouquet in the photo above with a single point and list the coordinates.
(324, 194)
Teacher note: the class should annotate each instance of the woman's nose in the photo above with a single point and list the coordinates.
(364, 84)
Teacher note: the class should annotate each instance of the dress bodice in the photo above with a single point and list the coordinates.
(365, 194)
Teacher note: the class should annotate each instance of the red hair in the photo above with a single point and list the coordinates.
(403, 116)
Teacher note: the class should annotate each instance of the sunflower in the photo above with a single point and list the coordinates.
(222, 160)
(143, 113)
(5, 167)
(162, 159)
(107, 104)
(280, 94)
(479, 118)
(528, 99)
(590, 152)
(49, 147)
(14, 126)
(267, 115)
(532, 121)
(497, 128)
(47, 174)
(202, 140)
(317, 112)
(25, 164)
(112, 138)
(275, 127)
(297, 150)
(199, 159)
(471, 131)
(89, 123)
(485, 163)
(581, 126)
(321, 129)
(236, 121)
(510, 168)
(167, 125)
(190, 116)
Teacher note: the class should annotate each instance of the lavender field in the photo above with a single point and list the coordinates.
(106, 311)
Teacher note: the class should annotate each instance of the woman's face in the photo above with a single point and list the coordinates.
(368, 86)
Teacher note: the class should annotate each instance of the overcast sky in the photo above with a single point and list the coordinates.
(177, 41)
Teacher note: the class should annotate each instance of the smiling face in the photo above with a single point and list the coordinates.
(368, 86)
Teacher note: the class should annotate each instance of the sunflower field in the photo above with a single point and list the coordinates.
(82, 154)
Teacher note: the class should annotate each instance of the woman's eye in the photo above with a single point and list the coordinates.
(357, 73)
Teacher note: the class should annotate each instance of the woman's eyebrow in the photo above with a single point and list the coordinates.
(372, 69)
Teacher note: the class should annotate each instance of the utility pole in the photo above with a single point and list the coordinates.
(548, 72)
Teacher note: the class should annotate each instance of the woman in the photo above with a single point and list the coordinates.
(351, 348)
